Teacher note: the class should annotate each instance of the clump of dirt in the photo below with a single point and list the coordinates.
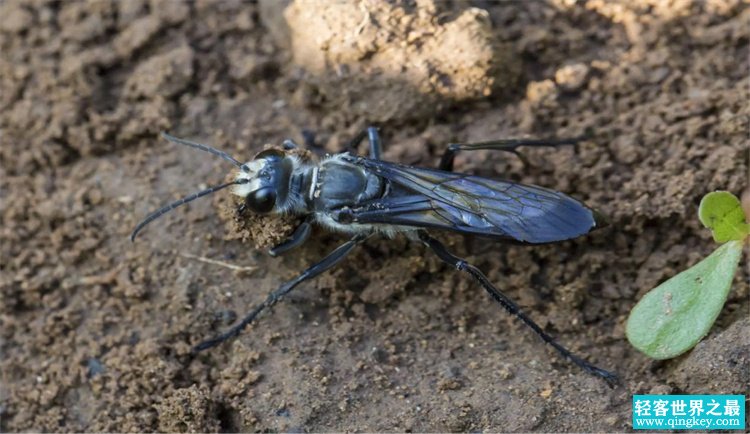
(393, 61)
(96, 332)
(261, 230)
(188, 410)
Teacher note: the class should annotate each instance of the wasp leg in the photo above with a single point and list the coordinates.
(289, 144)
(373, 138)
(326, 263)
(509, 145)
(308, 137)
(300, 235)
(376, 149)
(461, 265)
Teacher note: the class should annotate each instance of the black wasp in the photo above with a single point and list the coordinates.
(364, 196)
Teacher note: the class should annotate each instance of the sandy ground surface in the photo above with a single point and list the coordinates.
(95, 331)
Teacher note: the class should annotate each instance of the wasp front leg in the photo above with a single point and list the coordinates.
(315, 270)
(298, 237)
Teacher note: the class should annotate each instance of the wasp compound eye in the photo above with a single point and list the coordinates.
(262, 200)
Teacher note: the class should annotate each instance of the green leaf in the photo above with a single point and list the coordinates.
(675, 315)
(722, 212)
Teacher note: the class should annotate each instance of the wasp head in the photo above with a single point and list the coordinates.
(264, 181)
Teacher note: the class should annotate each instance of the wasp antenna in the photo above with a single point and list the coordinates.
(205, 148)
(165, 209)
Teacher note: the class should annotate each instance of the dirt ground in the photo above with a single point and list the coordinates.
(95, 331)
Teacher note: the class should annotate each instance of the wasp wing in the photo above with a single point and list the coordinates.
(470, 204)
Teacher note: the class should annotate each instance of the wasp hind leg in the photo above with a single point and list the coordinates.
(509, 145)
(325, 264)
(439, 249)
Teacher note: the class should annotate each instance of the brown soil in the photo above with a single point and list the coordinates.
(95, 331)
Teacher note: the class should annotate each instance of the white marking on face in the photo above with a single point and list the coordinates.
(254, 167)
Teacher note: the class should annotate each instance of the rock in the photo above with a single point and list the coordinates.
(398, 63)
(572, 77)
(718, 364)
